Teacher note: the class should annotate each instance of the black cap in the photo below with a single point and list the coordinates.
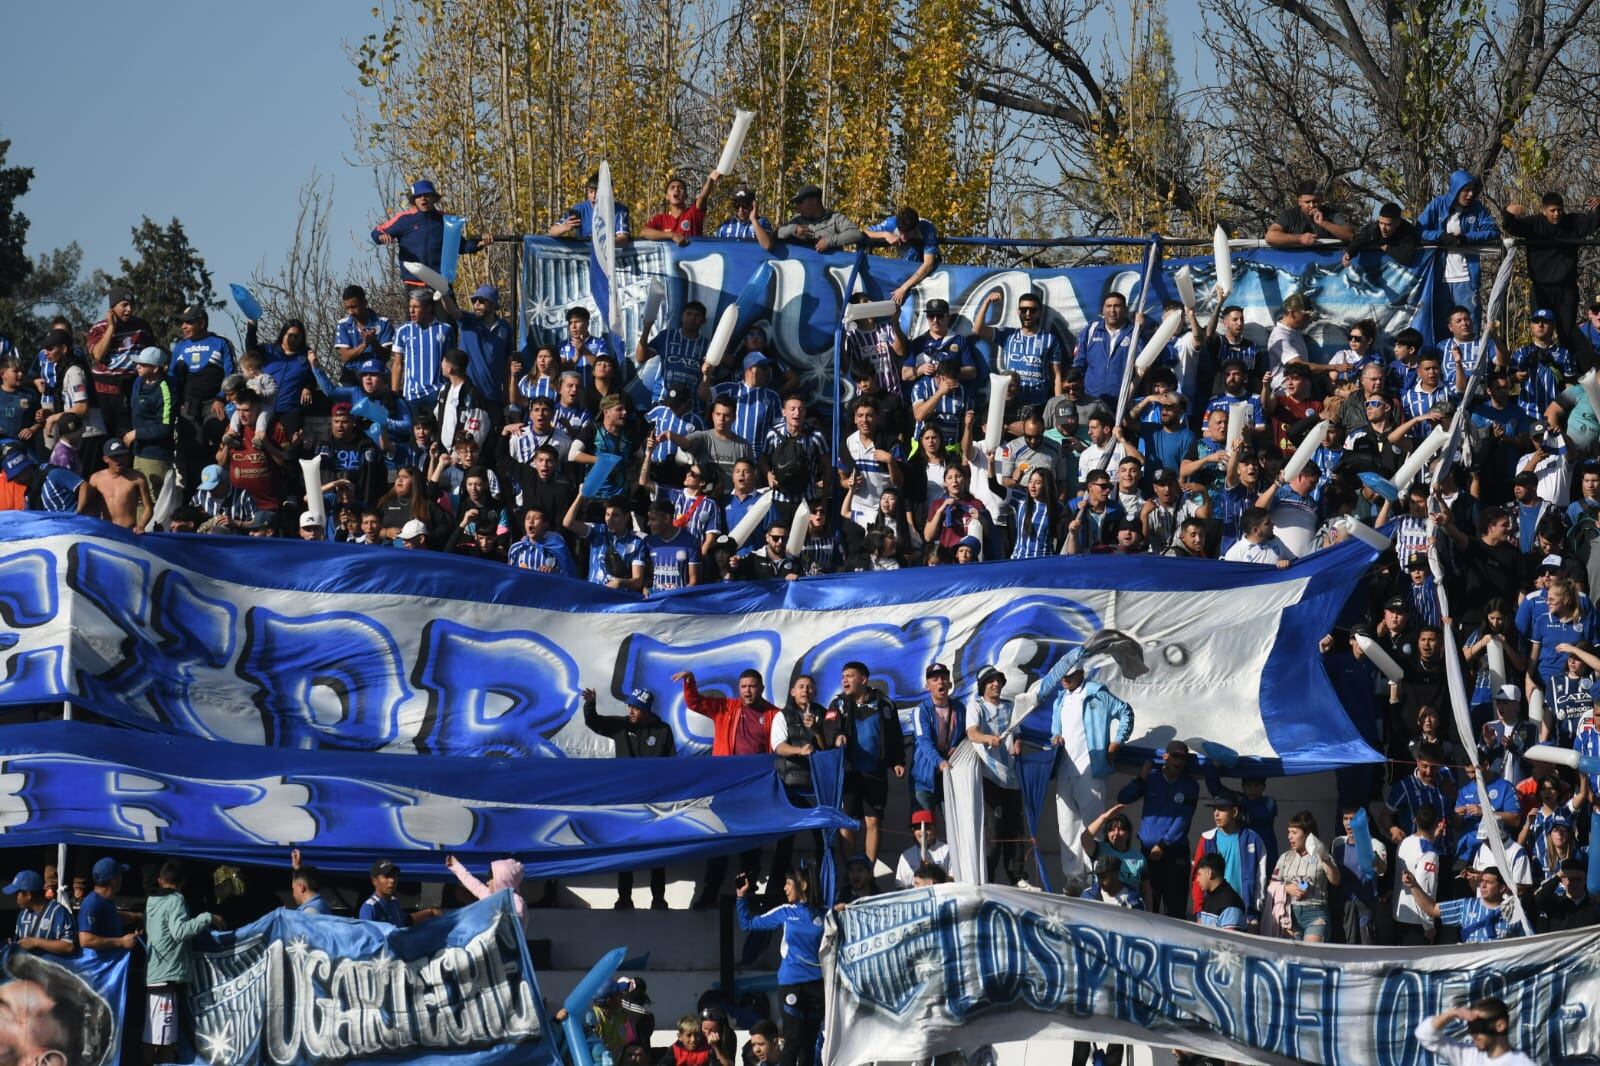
(193, 313)
(1418, 561)
(1574, 868)
(1527, 477)
(936, 670)
(384, 867)
(936, 307)
(805, 192)
(1163, 474)
(1177, 747)
(1223, 803)
(744, 195)
(119, 293)
(1396, 603)
(677, 394)
(988, 674)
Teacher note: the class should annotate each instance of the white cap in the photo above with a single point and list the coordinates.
(309, 521)
(413, 528)
(1553, 560)
(1510, 693)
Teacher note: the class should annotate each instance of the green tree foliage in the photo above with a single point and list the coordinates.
(166, 275)
(14, 263)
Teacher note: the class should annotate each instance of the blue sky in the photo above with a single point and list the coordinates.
(214, 113)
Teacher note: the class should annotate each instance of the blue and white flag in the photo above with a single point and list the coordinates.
(799, 295)
(953, 968)
(71, 782)
(66, 1009)
(296, 989)
(603, 252)
(313, 645)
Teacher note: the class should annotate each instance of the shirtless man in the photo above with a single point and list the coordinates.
(126, 494)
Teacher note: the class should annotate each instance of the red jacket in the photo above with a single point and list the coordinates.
(724, 713)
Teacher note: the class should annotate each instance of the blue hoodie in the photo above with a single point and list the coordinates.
(1477, 225)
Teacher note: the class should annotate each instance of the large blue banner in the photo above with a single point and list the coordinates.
(306, 645)
(76, 783)
(798, 294)
(62, 1009)
(298, 989)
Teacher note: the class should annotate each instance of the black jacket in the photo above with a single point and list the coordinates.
(796, 769)
(1402, 246)
(651, 738)
(1551, 264)
(1558, 912)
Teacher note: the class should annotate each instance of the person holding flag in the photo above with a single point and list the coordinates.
(419, 231)
(1089, 724)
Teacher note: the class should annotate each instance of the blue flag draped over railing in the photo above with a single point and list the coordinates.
(296, 989)
(96, 785)
(328, 646)
(799, 294)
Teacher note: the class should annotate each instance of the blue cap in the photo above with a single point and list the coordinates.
(1544, 314)
(211, 478)
(106, 870)
(423, 188)
(1559, 820)
(641, 698)
(370, 365)
(26, 881)
(755, 359)
(858, 859)
(487, 292)
(970, 542)
(16, 461)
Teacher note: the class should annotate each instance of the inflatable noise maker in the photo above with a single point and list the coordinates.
(318, 646)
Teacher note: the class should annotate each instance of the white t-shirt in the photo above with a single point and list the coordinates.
(1555, 476)
(1285, 345)
(905, 870)
(1516, 855)
(1074, 741)
(1424, 866)
(1269, 552)
(75, 388)
(1455, 264)
(1094, 457)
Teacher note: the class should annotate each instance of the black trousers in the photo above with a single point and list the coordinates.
(802, 1021)
(1005, 806)
(1169, 882)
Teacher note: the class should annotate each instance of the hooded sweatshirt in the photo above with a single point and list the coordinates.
(504, 874)
(1476, 225)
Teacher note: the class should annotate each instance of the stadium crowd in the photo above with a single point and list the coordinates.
(634, 470)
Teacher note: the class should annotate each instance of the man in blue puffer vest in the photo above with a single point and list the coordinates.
(1089, 725)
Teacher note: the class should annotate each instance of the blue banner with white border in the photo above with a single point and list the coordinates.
(296, 989)
(327, 646)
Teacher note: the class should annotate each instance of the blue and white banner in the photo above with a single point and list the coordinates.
(306, 645)
(953, 968)
(798, 294)
(298, 989)
(76, 783)
(62, 1009)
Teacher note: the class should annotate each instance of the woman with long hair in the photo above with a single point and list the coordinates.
(407, 499)
(544, 378)
(800, 972)
(1038, 518)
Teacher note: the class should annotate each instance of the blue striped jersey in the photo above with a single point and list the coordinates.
(1032, 357)
(420, 349)
(664, 420)
(735, 230)
(757, 410)
(59, 491)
